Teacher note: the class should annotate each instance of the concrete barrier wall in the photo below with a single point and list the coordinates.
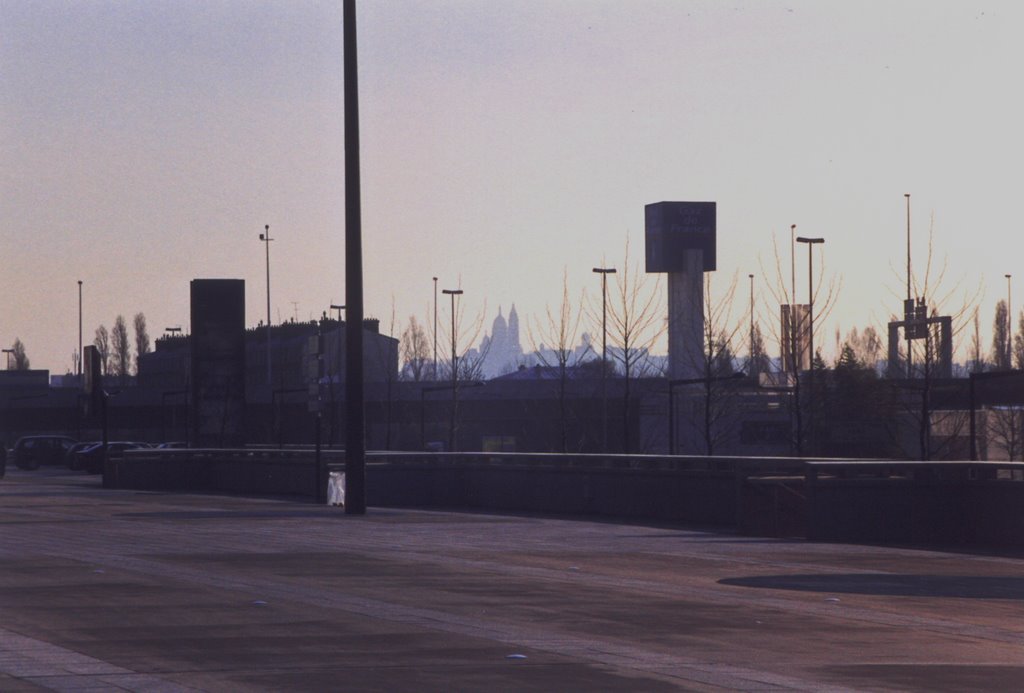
(699, 497)
(971, 504)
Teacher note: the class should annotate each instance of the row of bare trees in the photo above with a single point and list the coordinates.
(115, 347)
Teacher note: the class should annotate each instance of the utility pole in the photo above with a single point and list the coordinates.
(604, 272)
(355, 441)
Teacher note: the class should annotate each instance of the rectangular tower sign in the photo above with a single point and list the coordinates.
(672, 228)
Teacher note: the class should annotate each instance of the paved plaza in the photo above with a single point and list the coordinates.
(104, 590)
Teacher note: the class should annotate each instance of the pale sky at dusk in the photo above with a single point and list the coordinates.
(145, 144)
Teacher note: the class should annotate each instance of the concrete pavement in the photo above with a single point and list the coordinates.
(125, 590)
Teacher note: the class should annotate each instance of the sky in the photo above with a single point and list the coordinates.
(504, 145)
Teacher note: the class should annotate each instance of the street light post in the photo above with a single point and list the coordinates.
(265, 237)
(1009, 325)
(811, 242)
(604, 272)
(435, 328)
(751, 349)
(455, 370)
(79, 369)
(908, 330)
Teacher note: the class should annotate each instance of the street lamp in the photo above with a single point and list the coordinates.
(604, 272)
(435, 328)
(1009, 325)
(265, 237)
(751, 350)
(79, 331)
(810, 290)
(810, 306)
(455, 369)
(908, 305)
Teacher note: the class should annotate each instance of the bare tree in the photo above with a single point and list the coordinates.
(415, 351)
(758, 361)
(635, 323)
(121, 349)
(866, 348)
(20, 358)
(554, 344)
(1005, 427)
(102, 344)
(975, 356)
(1000, 355)
(141, 337)
(1018, 344)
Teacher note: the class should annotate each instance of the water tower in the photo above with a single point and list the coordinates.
(680, 242)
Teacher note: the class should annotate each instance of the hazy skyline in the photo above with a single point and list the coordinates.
(147, 144)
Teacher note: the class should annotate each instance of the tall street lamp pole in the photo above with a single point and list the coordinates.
(908, 330)
(811, 242)
(1009, 325)
(435, 328)
(604, 272)
(265, 237)
(79, 373)
(751, 349)
(455, 370)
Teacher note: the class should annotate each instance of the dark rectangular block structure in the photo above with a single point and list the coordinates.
(672, 228)
(217, 373)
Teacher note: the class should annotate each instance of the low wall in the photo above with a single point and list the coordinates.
(947, 503)
(954, 503)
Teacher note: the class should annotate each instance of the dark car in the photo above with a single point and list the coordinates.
(71, 458)
(32, 451)
(91, 459)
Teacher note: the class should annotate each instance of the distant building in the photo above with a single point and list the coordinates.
(501, 351)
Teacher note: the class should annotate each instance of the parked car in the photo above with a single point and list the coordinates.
(91, 459)
(29, 452)
(71, 458)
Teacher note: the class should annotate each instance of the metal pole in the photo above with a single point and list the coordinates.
(604, 362)
(811, 242)
(355, 443)
(435, 328)
(455, 371)
(751, 350)
(265, 237)
(908, 330)
(604, 272)
(1009, 325)
(79, 332)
